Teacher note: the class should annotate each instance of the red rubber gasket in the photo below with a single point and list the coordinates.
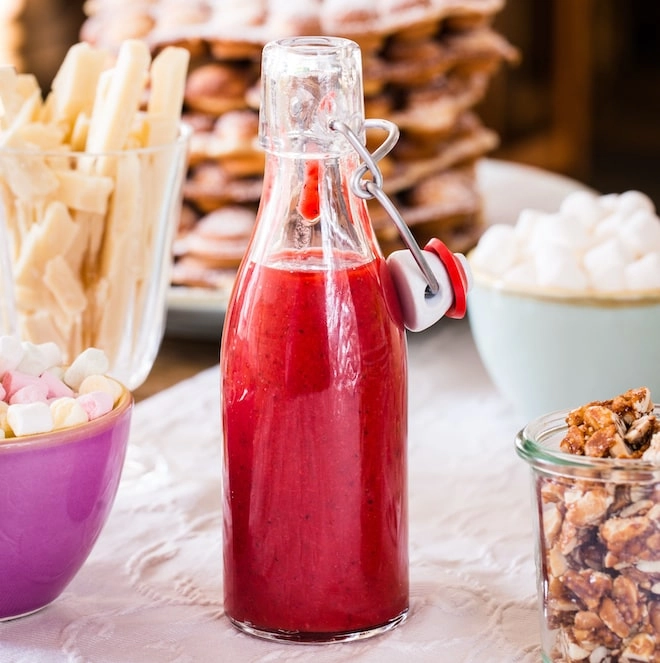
(457, 277)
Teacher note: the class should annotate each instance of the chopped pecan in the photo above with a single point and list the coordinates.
(640, 649)
(590, 631)
(620, 534)
(627, 599)
(613, 618)
(588, 586)
(589, 507)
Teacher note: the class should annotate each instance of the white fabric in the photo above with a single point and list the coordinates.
(152, 589)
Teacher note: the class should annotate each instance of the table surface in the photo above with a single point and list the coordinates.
(151, 590)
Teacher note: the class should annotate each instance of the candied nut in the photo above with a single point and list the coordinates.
(596, 417)
(626, 597)
(600, 655)
(640, 649)
(639, 435)
(590, 632)
(590, 507)
(557, 563)
(552, 519)
(613, 619)
(570, 649)
(570, 537)
(619, 533)
(619, 428)
(588, 586)
(654, 616)
(552, 491)
(573, 442)
(636, 508)
(632, 404)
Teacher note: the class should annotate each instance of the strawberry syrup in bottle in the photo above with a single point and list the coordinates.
(314, 377)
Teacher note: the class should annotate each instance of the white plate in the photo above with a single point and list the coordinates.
(507, 189)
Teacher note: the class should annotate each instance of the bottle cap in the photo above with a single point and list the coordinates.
(419, 308)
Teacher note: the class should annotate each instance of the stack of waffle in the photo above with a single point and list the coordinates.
(427, 63)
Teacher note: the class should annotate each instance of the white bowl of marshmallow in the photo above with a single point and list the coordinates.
(565, 306)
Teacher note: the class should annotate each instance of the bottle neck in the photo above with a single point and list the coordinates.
(309, 212)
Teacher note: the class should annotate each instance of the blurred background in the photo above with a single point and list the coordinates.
(583, 101)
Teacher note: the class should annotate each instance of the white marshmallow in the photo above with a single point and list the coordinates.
(608, 202)
(557, 266)
(39, 357)
(641, 233)
(558, 229)
(608, 227)
(522, 274)
(643, 274)
(29, 418)
(11, 354)
(583, 207)
(4, 426)
(496, 251)
(526, 224)
(66, 411)
(630, 202)
(89, 362)
(605, 264)
(101, 383)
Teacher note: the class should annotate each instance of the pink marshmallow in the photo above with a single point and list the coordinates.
(3, 393)
(12, 381)
(31, 393)
(55, 387)
(96, 403)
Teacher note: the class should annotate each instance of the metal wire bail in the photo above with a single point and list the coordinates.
(373, 188)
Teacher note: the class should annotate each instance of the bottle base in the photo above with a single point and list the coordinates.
(312, 638)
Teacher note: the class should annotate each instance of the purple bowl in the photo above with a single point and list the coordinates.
(56, 492)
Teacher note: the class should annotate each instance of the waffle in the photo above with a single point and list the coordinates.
(426, 65)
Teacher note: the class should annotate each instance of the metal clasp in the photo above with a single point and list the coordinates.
(373, 188)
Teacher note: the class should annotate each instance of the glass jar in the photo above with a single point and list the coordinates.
(314, 377)
(597, 529)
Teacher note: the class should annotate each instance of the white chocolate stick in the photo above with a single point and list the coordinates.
(113, 112)
(74, 84)
(167, 83)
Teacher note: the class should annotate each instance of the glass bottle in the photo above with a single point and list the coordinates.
(314, 377)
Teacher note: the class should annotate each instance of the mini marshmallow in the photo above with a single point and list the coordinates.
(31, 393)
(525, 225)
(29, 418)
(605, 265)
(39, 357)
(557, 229)
(641, 233)
(583, 207)
(4, 425)
(557, 266)
(608, 202)
(643, 274)
(67, 411)
(89, 362)
(12, 381)
(96, 403)
(11, 354)
(630, 202)
(522, 274)
(496, 250)
(609, 226)
(54, 385)
(101, 383)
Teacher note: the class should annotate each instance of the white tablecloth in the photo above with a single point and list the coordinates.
(152, 589)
